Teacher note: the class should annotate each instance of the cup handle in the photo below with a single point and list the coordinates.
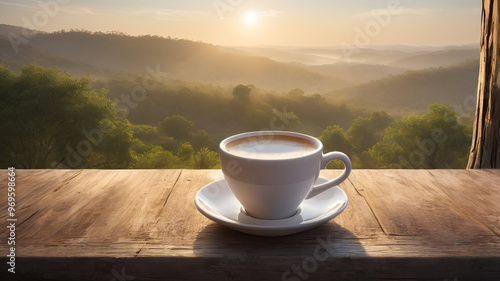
(335, 155)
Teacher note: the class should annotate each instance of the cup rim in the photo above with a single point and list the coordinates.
(316, 141)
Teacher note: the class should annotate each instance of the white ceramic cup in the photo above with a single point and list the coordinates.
(275, 188)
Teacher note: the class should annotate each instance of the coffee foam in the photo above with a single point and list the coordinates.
(271, 147)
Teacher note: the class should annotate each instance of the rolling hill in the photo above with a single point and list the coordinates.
(356, 73)
(182, 59)
(28, 55)
(413, 91)
(405, 57)
(447, 57)
(5, 29)
(375, 78)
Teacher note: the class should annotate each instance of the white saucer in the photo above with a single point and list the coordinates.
(217, 202)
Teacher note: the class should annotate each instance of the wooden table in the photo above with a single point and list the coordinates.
(143, 225)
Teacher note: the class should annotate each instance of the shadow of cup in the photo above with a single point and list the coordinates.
(314, 252)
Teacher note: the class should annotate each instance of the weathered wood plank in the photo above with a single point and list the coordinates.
(178, 268)
(182, 230)
(31, 187)
(474, 195)
(358, 217)
(90, 207)
(452, 205)
(180, 221)
(91, 222)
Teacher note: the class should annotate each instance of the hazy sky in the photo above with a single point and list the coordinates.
(262, 22)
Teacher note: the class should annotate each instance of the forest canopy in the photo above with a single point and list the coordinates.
(53, 120)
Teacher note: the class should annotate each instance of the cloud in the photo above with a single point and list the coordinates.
(406, 12)
(25, 6)
(423, 12)
(161, 14)
(164, 14)
(78, 10)
(269, 13)
(71, 9)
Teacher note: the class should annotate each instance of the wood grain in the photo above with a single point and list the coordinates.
(485, 148)
(399, 224)
(88, 207)
(459, 205)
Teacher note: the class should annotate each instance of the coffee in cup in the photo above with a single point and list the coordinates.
(270, 147)
(271, 172)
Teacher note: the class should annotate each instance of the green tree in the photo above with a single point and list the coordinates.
(138, 147)
(176, 126)
(284, 121)
(168, 143)
(51, 119)
(294, 93)
(334, 138)
(115, 149)
(205, 159)
(185, 155)
(367, 131)
(145, 133)
(241, 93)
(202, 139)
(156, 158)
(433, 140)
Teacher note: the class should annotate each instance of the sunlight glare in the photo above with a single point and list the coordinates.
(250, 18)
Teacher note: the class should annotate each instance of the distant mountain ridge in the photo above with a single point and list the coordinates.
(5, 29)
(182, 59)
(356, 73)
(406, 57)
(27, 55)
(412, 91)
(447, 57)
(403, 79)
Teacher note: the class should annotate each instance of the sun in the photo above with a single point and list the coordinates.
(250, 18)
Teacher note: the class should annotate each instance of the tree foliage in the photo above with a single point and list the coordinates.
(185, 154)
(217, 111)
(241, 93)
(334, 138)
(145, 132)
(206, 159)
(156, 158)
(367, 131)
(433, 140)
(49, 118)
(176, 126)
